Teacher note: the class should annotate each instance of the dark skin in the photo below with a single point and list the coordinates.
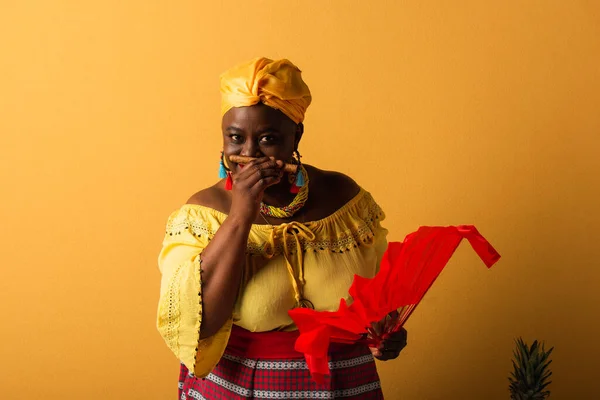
(268, 134)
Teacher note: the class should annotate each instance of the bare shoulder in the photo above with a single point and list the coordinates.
(334, 185)
(213, 197)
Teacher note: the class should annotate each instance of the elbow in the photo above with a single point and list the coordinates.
(206, 333)
(210, 328)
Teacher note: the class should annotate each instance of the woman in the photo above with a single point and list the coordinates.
(260, 242)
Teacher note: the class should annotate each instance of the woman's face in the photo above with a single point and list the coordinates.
(259, 131)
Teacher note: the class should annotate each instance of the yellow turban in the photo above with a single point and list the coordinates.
(277, 84)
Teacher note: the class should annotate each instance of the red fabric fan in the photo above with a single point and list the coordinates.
(407, 271)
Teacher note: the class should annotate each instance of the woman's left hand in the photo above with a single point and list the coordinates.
(391, 347)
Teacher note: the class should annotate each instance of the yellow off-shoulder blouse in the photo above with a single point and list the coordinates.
(322, 256)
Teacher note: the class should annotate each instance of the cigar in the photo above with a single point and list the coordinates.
(291, 168)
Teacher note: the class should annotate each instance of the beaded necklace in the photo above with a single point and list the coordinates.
(292, 208)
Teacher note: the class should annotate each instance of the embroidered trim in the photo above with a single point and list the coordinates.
(247, 362)
(198, 274)
(169, 316)
(314, 394)
(361, 234)
(169, 313)
(229, 385)
(297, 364)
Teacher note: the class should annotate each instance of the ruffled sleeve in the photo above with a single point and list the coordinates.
(180, 305)
(380, 233)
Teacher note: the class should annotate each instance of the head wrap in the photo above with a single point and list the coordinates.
(277, 84)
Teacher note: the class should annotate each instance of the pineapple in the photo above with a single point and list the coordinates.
(529, 379)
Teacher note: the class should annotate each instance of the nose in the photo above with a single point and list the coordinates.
(251, 149)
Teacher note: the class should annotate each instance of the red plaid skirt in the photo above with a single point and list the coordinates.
(266, 366)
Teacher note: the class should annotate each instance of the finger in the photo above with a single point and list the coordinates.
(395, 340)
(258, 182)
(261, 174)
(264, 176)
(388, 356)
(268, 181)
(252, 165)
(252, 175)
(256, 166)
(270, 162)
(397, 336)
(375, 352)
(267, 160)
(390, 353)
(396, 349)
(259, 160)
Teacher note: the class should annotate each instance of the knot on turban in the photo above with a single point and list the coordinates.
(277, 84)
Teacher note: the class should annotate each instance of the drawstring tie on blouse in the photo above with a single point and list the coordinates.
(296, 232)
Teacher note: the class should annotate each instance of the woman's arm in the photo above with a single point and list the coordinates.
(222, 265)
(224, 257)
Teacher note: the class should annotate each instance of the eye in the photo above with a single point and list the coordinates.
(268, 139)
(235, 138)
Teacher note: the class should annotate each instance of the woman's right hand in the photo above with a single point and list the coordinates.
(250, 184)
(224, 257)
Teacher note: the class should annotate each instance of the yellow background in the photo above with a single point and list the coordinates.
(448, 112)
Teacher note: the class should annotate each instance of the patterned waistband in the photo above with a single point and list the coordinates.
(270, 345)
(353, 376)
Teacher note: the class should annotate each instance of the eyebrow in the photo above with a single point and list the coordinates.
(259, 132)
